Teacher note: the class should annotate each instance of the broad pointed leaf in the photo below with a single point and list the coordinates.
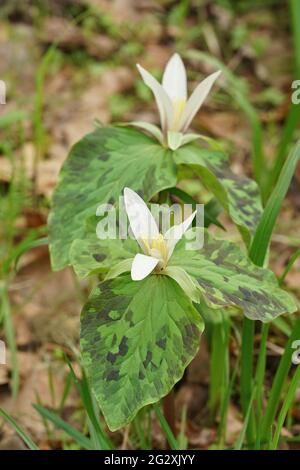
(91, 255)
(96, 172)
(226, 277)
(136, 340)
(239, 195)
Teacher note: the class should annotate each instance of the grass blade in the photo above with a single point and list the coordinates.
(258, 251)
(260, 376)
(286, 406)
(259, 247)
(241, 438)
(23, 435)
(278, 385)
(246, 380)
(165, 427)
(289, 265)
(293, 118)
(282, 326)
(224, 408)
(84, 391)
(219, 362)
(287, 134)
(295, 14)
(80, 438)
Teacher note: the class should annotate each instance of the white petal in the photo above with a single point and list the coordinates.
(175, 233)
(142, 266)
(162, 99)
(196, 99)
(174, 79)
(141, 220)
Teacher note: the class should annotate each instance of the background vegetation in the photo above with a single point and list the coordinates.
(68, 63)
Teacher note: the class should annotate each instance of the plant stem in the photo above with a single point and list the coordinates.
(241, 438)
(261, 365)
(260, 375)
(246, 374)
(172, 442)
(169, 411)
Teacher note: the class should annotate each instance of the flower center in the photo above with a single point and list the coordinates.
(157, 248)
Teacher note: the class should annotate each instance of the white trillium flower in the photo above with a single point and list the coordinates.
(157, 248)
(175, 110)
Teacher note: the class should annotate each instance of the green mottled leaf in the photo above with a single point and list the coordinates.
(96, 172)
(136, 340)
(92, 255)
(226, 277)
(119, 268)
(239, 195)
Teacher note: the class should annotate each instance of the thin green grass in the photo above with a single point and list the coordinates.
(224, 407)
(219, 361)
(289, 266)
(83, 388)
(240, 441)
(258, 252)
(288, 401)
(77, 436)
(23, 435)
(246, 379)
(260, 244)
(293, 118)
(278, 386)
(165, 427)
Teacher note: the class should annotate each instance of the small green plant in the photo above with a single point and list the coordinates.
(140, 330)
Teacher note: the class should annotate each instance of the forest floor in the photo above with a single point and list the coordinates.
(53, 99)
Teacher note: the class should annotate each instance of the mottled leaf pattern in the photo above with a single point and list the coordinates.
(239, 195)
(227, 277)
(136, 340)
(91, 255)
(96, 172)
(105, 161)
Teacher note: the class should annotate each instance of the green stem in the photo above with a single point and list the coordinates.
(169, 411)
(139, 431)
(246, 375)
(260, 375)
(241, 438)
(165, 427)
(219, 363)
(224, 408)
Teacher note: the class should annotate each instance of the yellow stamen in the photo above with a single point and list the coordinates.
(157, 244)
